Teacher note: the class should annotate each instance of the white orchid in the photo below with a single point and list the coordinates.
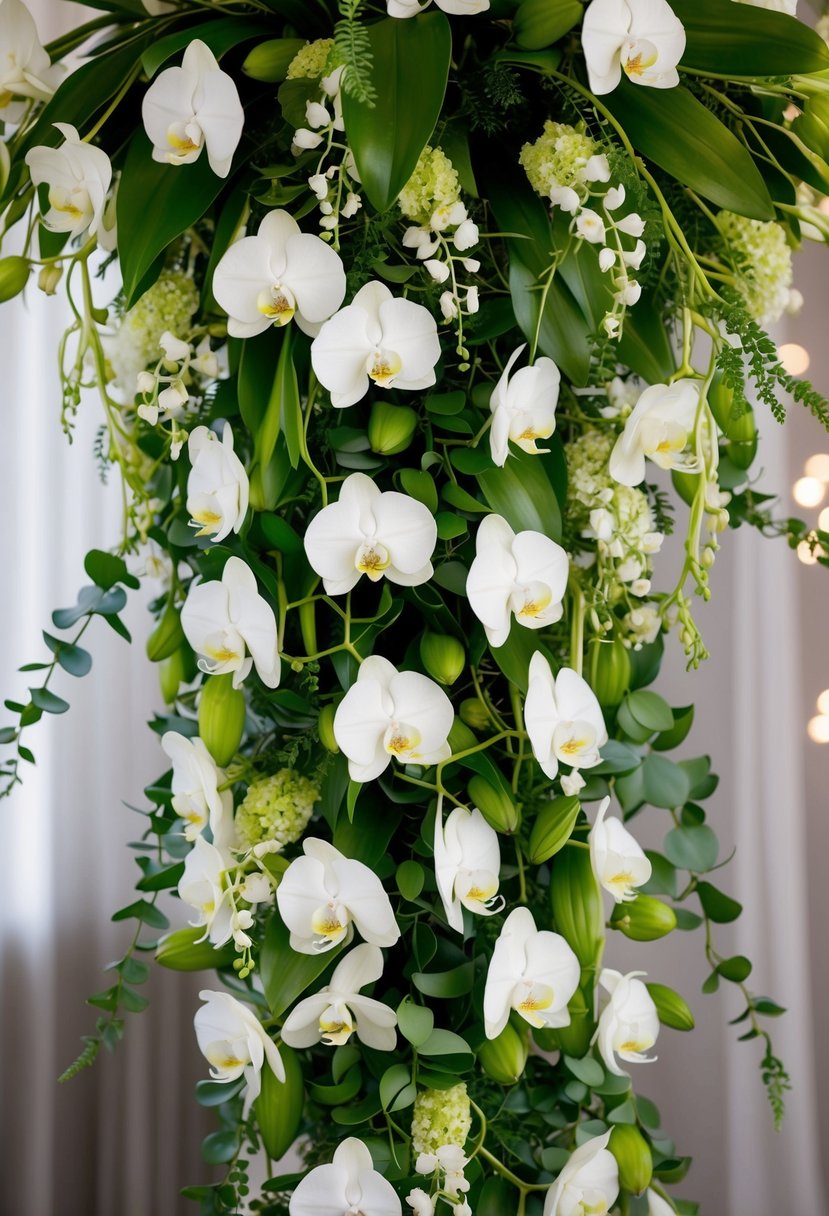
(421, 1203)
(467, 865)
(658, 1205)
(196, 795)
(25, 69)
(619, 863)
(279, 274)
(642, 38)
(201, 886)
(233, 1041)
(589, 1182)
(349, 1186)
(523, 406)
(337, 1011)
(373, 533)
(217, 487)
(324, 895)
(458, 8)
(194, 107)
(629, 1023)
(520, 574)
(531, 971)
(78, 176)
(231, 627)
(379, 338)
(388, 713)
(563, 718)
(659, 428)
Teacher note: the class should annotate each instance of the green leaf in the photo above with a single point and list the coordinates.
(74, 659)
(663, 876)
(767, 1007)
(279, 1105)
(522, 492)
(692, 848)
(445, 984)
(220, 1147)
(444, 1043)
(107, 569)
(669, 739)
(665, 784)
(221, 36)
(144, 911)
(410, 878)
(420, 485)
(213, 1093)
(410, 71)
(680, 135)
(392, 1081)
(724, 39)
(415, 1022)
(48, 702)
(586, 1069)
(285, 973)
(717, 906)
(650, 710)
(737, 969)
(287, 389)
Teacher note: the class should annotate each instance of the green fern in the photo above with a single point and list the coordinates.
(353, 51)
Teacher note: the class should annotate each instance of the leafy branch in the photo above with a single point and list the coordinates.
(353, 51)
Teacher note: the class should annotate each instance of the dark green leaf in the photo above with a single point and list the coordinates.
(48, 702)
(720, 908)
(650, 710)
(415, 1022)
(445, 984)
(107, 569)
(737, 968)
(724, 39)
(220, 1147)
(286, 973)
(665, 784)
(692, 848)
(220, 35)
(522, 492)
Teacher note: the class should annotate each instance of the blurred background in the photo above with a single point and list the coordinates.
(124, 1136)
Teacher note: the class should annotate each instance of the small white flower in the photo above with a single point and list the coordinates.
(318, 183)
(633, 258)
(388, 713)
(448, 306)
(571, 783)
(349, 1186)
(630, 225)
(421, 1203)
(173, 348)
(324, 895)
(378, 338)
(472, 300)
(205, 361)
(520, 574)
(642, 38)
(200, 886)
(145, 382)
(566, 198)
(629, 1023)
(192, 107)
(467, 865)
(658, 428)
(465, 236)
(217, 487)
(25, 69)
(305, 140)
(459, 8)
(279, 274)
(590, 225)
(173, 398)
(372, 533)
(235, 1044)
(439, 271)
(614, 198)
(231, 627)
(630, 293)
(352, 205)
(448, 216)
(196, 795)
(316, 114)
(523, 406)
(563, 718)
(337, 1011)
(619, 863)
(607, 259)
(531, 971)
(589, 1182)
(78, 176)
(597, 169)
(256, 889)
(657, 1206)
(471, 265)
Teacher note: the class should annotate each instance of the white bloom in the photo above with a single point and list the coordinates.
(629, 1023)
(523, 406)
(563, 718)
(644, 623)
(388, 713)
(657, 1206)
(448, 306)
(473, 302)
(217, 487)
(349, 1186)
(235, 1044)
(205, 361)
(589, 1182)
(597, 168)
(256, 889)
(171, 399)
(305, 140)
(373, 533)
(467, 865)
(231, 627)
(173, 348)
(659, 427)
(323, 895)
(352, 205)
(278, 274)
(465, 236)
(439, 271)
(571, 783)
(25, 70)
(201, 887)
(618, 860)
(630, 225)
(590, 225)
(78, 176)
(531, 971)
(459, 8)
(196, 795)
(522, 574)
(378, 337)
(421, 1203)
(337, 1011)
(643, 38)
(192, 107)
(566, 198)
(316, 114)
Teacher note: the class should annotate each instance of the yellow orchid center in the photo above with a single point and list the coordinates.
(221, 1057)
(329, 924)
(278, 304)
(401, 741)
(635, 1045)
(536, 601)
(222, 654)
(535, 997)
(209, 520)
(373, 559)
(383, 365)
(61, 200)
(182, 144)
(638, 56)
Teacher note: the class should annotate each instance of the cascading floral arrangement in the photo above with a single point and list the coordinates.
(432, 323)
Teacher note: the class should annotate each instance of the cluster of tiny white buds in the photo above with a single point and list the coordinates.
(164, 391)
(597, 169)
(446, 1165)
(614, 258)
(442, 254)
(334, 185)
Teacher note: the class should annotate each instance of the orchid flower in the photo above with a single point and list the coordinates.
(231, 627)
(523, 406)
(192, 107)
(323, 895)
(78, 176)
(337, 1011)
(531, 971)
(388, 713)
(520, 574)
(373, 533)
(279, 274)
(349, 1186)
(658, 427)
(618, 860)
(196, 795)
(201, 887)
(629, 1023)
(467, 865)
(217, 488)
(642, 38)
(588, 1182)
(458, 8)
(657, 1205)
(25, 69)
(379, 338)
(233, 1041)
(563, 718)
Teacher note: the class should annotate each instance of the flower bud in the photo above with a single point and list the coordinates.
(685, 484)
(171, 675)
(391, 428)
(503, 1058)
(461, 737)
(280, 1105)
(474, 713)
(270, 62)
(739, 430)
(167, 636)
(608, 670)
(633, 1157)
(325, 728)
(672, 1009)
(443, 657)
(552, 828)
(577, 904)
(14, 275)
(644, 919)
(182, 951)
(49, 278)
(495, 804)
(538, 23)
(221, 717)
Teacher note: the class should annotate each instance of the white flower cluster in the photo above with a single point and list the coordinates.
(168, 305)
(762, 265)
(614, 258)
(562, 162)
(174, 372)
(441, 1123)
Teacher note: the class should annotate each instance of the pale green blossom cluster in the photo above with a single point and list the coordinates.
(762, 264)
(558, 158)
(441, 1117)
(169, 305)
(276, 808)
(433, 187)
(310, 62)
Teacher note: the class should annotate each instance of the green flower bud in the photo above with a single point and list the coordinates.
(221, 717)
(577, 904)
(644, 919)
(14, 275)
(167, 636)
(539, 24)
(182, 951)
(504, 1058)
(672, 1009)
(280, 1105)
(608, 670)
(740, 431)
(461, 737)
(552, 828)
(325, 728)
(49, 278)
(171, 675)
(495, 804)
(391, 427)
(474, 713)
(270, 62)
(633, 1157)
(443, 657)
(685, 484)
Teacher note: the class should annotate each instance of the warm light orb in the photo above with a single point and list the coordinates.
(794, 357)
(818, 728)
(823, 520)
(818, 466)
(808, 491)
(823, 702)
(805, 554)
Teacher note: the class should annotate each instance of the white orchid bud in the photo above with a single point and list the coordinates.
(438, 270)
